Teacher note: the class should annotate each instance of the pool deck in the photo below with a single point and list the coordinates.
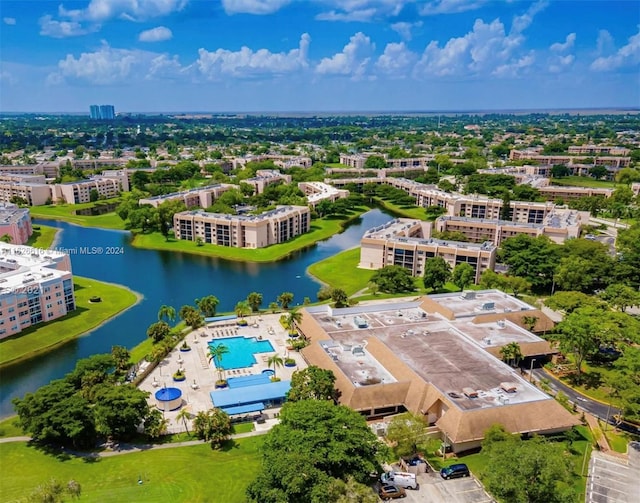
(202, 375)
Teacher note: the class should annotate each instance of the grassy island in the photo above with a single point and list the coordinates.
(68, 213)
(87, 316)
(43, 236)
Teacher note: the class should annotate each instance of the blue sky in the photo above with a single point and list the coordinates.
(318, 55)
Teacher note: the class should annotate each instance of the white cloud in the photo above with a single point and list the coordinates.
(49, 27)
(566, 45)
(8, 78)
(522, 22)
(404, 29)
(604, 44)
(353, 59)
(362, 15)
(627, 55)
(362, 10)
(258, 7)
(513, 68)
(248, 63)
(396, 60)
(102, 67)
(560, 63)
(450, 6)
(164, 66)
(11, 21)
(133, 10)
(157, 34)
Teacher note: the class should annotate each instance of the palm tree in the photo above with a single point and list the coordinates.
(242, 309)
(6, 238)
(294, 318)
(184, 416)
(275, 360)
(167, 312)
(511, 353)
(215, 354)
(530, 322)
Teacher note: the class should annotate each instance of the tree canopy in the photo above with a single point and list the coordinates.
(312, 383)
(436, 273)
(393, 279)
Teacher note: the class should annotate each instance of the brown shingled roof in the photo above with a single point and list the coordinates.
(543, 324)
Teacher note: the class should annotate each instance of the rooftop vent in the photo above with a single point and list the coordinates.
(488, 306)
(470, 392)
(468, 295)
(509, 387)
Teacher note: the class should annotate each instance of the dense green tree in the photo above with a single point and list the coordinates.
(315, 443)
(406, 431)
(242, 309)
(375, 162)
(534, 259)
(598, 172)
(627, 267)
(511, 353)
(213, 426)
(560, 171)
(312, 383)
(166, 313)
(627, 176)
(462, 275)
(191, 316)
(394, 279)
(118, 410)
(339, 297)
(571, 274)
(208, 305)
(436, 273)
(158, 331)
(121, 358)
(155, 424)
(621, 296)
(254, 299)
(351, 491)
(570, 301)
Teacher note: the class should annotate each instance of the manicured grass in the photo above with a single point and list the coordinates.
(618, 440)
(341, 271)
(321, 229)
(403, 211)
(141, 350)
(8, 428)
(42, 237)
(584, 181)
(181, 474)
(66, 212)
(242, 427)
(35, 340)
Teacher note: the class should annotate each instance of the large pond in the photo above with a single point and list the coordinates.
(168, 278)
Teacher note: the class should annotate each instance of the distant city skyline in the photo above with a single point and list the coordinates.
(169, 56)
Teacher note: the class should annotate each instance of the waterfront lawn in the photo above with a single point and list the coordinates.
(584, 181)
(9, 428)
(403, 211)
(322, 228)
(42, 237)
(66, 212)
(341, 271)
(180, 474)
(45, 336)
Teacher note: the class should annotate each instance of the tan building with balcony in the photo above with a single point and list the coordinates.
(266, 177)
(436, 357)
(550, 160)
(201, 197)
(80, 192)
(406, 242)
(318, 191)
(243, 231)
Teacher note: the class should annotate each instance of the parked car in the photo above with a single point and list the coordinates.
(400, 479)
(389, 492)
(455, 471)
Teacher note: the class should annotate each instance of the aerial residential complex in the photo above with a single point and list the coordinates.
(16, 223)
(405, 242)
(573, 159)
(436, 357)
(35, 286)
(201, 197)
(243, 231)
(318, 191)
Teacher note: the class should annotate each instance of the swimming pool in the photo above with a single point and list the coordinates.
(241, 351)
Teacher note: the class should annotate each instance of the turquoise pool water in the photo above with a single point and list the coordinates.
(241, 351)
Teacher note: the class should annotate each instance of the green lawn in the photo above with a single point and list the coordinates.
(8, 428)
(35, 340)
(42, 237)
(584, 181)
(618, 440)
(181, 474)
(66, 212)
(321, 229)
(341, 271)
(403, 211)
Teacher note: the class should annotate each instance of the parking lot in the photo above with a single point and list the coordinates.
(610, 481)
(434, 489)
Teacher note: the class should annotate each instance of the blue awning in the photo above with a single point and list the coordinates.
(273, 391)
(244, 409)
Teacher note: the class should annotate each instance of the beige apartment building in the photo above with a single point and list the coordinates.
(598, 150)
(436, 356)
(35, 194)
(406, 242)
(201, 197)
(266, 177)
(566, 193)
(243, 231)
(357, 161)
(281, 161)
(48, 169)
(36, 286)
(558, 225)
(598, 160)
(80, 192)
(318, 191)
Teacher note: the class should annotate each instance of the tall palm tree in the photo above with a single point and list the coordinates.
(184, 416)
(511, 353)
(275, 360)
(215, 354)
(242, 309)
(166, 312)
(294, 318)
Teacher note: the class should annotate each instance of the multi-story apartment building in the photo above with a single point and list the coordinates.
(318, 191)
(357, 161)
(35, 286)
(243, 231)
(281, 161)
(566, 193)
(405, 242)
(98, 163)
(48, 169)
(265, 177)
(15, 222)
(559, 225)
(35, 192)
(80, 191)
(598, 150)
(550, 160)
(201, 197)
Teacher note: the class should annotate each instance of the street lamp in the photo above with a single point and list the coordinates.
(531, 370)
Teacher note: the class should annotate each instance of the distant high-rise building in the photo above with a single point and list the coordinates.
(104, 112)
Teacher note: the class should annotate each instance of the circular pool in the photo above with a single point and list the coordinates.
(269, 372)
(168, 398)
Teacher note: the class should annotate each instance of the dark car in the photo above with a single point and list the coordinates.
(389, 492)
(455, 471)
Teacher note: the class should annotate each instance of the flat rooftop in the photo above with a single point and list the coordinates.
(474, 303)
(448, 354)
